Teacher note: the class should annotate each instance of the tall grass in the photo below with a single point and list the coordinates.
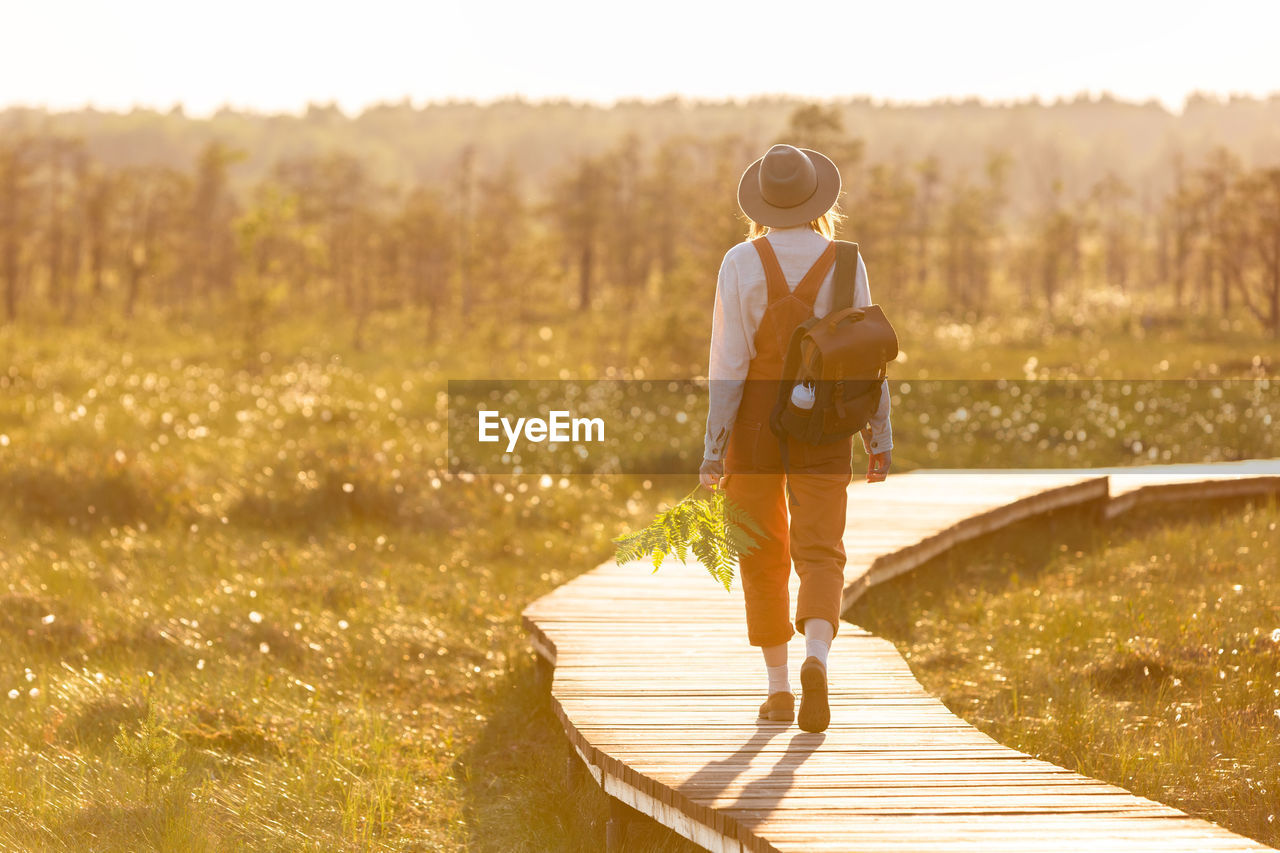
(1145, 652)
(244, 605)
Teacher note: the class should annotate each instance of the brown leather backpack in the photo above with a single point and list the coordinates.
(843, 357)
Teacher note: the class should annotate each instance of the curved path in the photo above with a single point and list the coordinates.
(657, 690)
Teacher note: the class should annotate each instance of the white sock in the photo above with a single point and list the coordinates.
(818, 634)
(779, 681)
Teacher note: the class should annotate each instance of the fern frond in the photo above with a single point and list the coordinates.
(715, 530)
(742, 524)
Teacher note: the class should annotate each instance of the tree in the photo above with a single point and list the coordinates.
(1110, 212)
(425, 253)
(371, 266)
(502, 269)
(1056, 235)
(626, 238)
(331, 190)
(1178, 227)
(578, 200)
(1250, 252)
(269, 238)
(667, 199)
(883, 217)
(15, 177)
(465, 191)
(716, 221)
(156, 200)
(928, 176)
(210, 257)
(1213, 182)
(970, 231)
(99, 189)
(821, 128)
(62, 159)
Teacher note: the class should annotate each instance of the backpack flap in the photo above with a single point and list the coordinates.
(855, 343)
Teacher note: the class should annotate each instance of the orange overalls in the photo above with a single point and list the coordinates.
(819, 478)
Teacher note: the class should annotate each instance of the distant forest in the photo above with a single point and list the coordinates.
(539, 208)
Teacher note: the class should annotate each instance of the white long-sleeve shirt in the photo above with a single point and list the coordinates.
(741, 298)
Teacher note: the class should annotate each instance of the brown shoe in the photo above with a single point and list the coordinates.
(815, 713)
(780, 707)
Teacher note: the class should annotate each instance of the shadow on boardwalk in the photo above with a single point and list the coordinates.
(762, 793)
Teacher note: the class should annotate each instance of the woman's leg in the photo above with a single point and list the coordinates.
(775, 667)
(757, 487)
(819, 501)
(818, 634)
(818, 509)
(765, 572)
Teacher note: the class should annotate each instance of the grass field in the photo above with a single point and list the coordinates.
(260, 571)
(244, 606)
(1145, 652)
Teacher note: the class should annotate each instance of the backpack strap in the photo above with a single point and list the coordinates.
(790, 367)
(807, 290)
(846, 275)
(773, 276)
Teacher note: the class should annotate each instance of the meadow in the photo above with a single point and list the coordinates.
(1144, 651)
(245, 605)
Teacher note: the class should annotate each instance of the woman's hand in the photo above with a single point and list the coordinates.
(878, 466)
(711, 472)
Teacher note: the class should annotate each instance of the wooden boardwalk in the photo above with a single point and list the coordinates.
(657, 690)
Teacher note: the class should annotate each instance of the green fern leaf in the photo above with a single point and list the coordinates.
(715, 530)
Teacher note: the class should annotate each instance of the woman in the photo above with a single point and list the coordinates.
(767, 286)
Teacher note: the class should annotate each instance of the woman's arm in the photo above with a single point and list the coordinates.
(878, 436)
(730, 358)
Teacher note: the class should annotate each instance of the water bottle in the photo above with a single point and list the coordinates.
(802, 395)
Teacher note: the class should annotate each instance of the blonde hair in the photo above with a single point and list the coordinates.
(826, 224)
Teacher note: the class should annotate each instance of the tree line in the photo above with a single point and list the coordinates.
(618, 230)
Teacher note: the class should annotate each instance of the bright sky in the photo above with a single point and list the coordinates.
(278, 55)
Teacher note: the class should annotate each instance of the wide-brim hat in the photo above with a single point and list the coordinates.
(788, 186)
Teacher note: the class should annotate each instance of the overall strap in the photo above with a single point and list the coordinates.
(776, 281)
(807, 289)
